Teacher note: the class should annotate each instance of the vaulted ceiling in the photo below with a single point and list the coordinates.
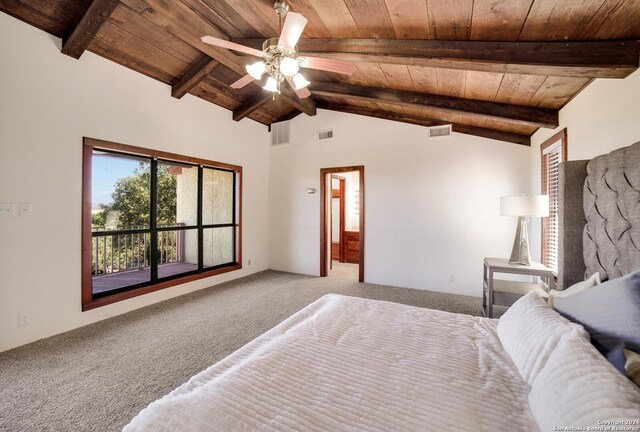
(493, 68)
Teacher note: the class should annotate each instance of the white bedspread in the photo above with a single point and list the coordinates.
(350, 364)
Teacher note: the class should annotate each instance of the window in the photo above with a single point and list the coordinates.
(554, 151)
(152, 220)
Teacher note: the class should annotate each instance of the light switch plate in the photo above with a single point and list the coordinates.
(26, 209)
(7, 209)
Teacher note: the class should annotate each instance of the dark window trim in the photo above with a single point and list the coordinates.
(559, 136)
(562, 137)
(91, 301)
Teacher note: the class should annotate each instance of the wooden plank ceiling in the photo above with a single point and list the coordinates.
(493, 68)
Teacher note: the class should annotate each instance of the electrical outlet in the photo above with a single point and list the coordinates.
(7, 209)
(23, 320)
(249, 262)
(451, 277)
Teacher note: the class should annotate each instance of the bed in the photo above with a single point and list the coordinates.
(350, 364)
(317, 371)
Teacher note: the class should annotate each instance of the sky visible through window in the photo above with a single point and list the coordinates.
(107, 170)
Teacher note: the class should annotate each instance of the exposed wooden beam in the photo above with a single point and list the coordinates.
(193, 76)
(386, 115)
(492, 134)
(592, 59)
(185, 24)
(307, 105)
(422, 121)
(251, 105)
(85, 25)
(293, 114)
(517, 114)
(289, 116)
(189, 26)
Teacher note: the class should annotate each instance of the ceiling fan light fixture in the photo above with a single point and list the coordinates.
(279, 56)
(289, 66)
(256, 70)
(300, 81)
(271, 85)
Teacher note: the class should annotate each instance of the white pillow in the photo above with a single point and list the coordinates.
(579, 388)
(530, 330)
(632, 366)
(594, 280)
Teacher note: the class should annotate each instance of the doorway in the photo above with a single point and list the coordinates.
(338, 216)
(342, 222)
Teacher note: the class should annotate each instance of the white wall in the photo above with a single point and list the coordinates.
(352, 186)
(48, 102)
(432, 207)
(603, 117)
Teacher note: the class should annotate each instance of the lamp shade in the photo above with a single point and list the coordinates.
(256, 70)
(289, 66)
(271, 85)
(525, 205)
(300, 81)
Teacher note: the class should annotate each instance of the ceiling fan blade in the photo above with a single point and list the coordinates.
(232, 46)
(302, 93)
(292, 30)
(329, 65)
(242, 82)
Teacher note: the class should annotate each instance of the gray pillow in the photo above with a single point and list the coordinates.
(610, 312)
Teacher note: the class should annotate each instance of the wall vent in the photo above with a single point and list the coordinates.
(281, 133)
(325, 134)
(439, 131)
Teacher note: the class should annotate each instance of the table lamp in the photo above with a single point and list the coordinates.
(523, 206)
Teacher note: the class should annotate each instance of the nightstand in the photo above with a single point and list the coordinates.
(499, 294)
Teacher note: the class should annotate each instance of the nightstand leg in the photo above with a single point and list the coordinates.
(490, 295)
(484, 291)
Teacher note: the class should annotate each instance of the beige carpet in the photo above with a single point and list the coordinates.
(344, 271)
(98, 377)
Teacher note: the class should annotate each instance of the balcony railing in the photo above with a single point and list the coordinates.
(130, 248)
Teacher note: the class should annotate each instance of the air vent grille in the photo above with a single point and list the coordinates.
(439, 131)
(327, 134)
(280, 133)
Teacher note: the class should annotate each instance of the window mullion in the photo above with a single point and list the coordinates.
(233, 218)
(199, 219)
(153, 265)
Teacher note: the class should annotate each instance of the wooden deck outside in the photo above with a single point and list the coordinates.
(113, 281)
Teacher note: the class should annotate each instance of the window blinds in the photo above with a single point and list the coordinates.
(550, 161)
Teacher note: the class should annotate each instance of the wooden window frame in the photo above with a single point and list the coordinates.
(89, 144)
(562, 138)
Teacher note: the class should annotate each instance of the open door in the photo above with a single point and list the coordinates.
(342, 219)
(338, 187)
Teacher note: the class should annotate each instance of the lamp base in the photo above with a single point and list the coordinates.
(520, 252)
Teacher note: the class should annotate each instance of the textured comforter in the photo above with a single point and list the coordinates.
(350, 364)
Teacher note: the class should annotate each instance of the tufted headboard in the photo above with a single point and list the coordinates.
(605, 236)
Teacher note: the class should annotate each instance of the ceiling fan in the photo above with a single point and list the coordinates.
(280, 59)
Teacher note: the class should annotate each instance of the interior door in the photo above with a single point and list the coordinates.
(337, 218)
